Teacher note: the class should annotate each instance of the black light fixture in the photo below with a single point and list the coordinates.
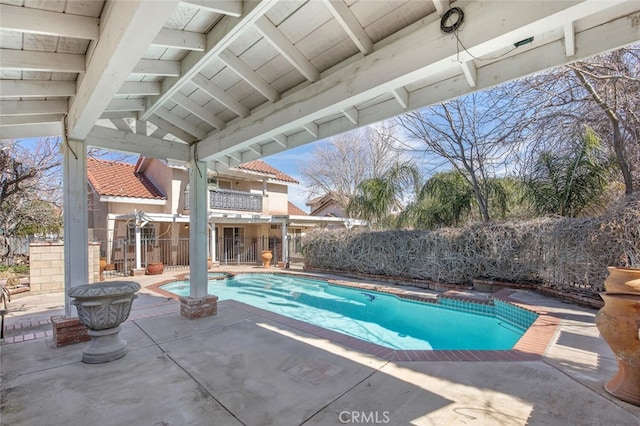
(523, 42)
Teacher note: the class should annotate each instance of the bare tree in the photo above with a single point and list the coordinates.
(338, 165)
(29, 190)
(613, 84)
(479, 135)
(602, 93)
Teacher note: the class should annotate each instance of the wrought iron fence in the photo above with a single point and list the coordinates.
(174, 252)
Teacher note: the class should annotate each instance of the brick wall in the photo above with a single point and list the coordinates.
(46, 267)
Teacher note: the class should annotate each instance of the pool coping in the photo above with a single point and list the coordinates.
(530, 347)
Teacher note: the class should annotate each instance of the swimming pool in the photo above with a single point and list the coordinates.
(380, 318)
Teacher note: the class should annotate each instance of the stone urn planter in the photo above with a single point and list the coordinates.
(266, 256)
(102, 308)
(619, 324)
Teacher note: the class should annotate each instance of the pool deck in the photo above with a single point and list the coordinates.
(246, 367)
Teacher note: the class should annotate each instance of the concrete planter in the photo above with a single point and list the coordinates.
(102, 308)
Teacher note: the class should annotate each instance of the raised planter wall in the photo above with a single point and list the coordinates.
(46, 267)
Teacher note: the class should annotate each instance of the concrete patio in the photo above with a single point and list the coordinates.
(242, 368)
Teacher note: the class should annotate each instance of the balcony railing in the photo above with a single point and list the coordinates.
(226, 199)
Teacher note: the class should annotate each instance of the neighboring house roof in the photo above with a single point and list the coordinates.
(114, 179)
(294, 210)
(326, 202)
(262, 167)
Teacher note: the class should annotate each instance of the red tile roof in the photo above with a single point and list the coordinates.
(262, 167)
(111, 178)
(294, 210)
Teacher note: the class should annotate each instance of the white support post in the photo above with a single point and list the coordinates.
(285, 242)
(212, 252)
(138, 249)
(111, 224)
(76, 219)
(198, 218)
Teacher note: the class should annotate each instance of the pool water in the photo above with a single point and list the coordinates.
(376, 317)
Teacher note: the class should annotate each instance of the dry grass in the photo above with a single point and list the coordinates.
(568, 254)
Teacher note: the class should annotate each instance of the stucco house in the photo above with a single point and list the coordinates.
(143, 208)
(328, 206)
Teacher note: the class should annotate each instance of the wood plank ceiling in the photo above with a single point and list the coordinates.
(245, 79)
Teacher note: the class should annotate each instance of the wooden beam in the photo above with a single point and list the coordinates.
(224, 7)
(121, 124)
(139, 88)
(400, 63)
(36, 88)
(127, 30)
(237, 156)
(38, 130)
(199, 111)
(23, 60)
(287, 49)
(183, 124)
(312, 128)
(38, 21)
(250, 76)
(469, 70)
(351, 114)
(402, 96)
(441, 6)
(220, 95)
(125, 105)
(171, 128)
(157, 68)
(615, 34)
(256, 149)
(219, 38)
(118, 140)
(350, 24)
(108, 115)
(18, 120)
(159, 133)
(141, 127)
(569, 39)
(33, 107)
(280, 140)
(177, 39)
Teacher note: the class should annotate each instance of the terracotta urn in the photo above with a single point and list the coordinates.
(266, 256)
(622, 280)
(619, 323)
(103, 265)
(102, 308)
(155, 268)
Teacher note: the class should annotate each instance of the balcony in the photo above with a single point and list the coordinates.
(225, 199)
